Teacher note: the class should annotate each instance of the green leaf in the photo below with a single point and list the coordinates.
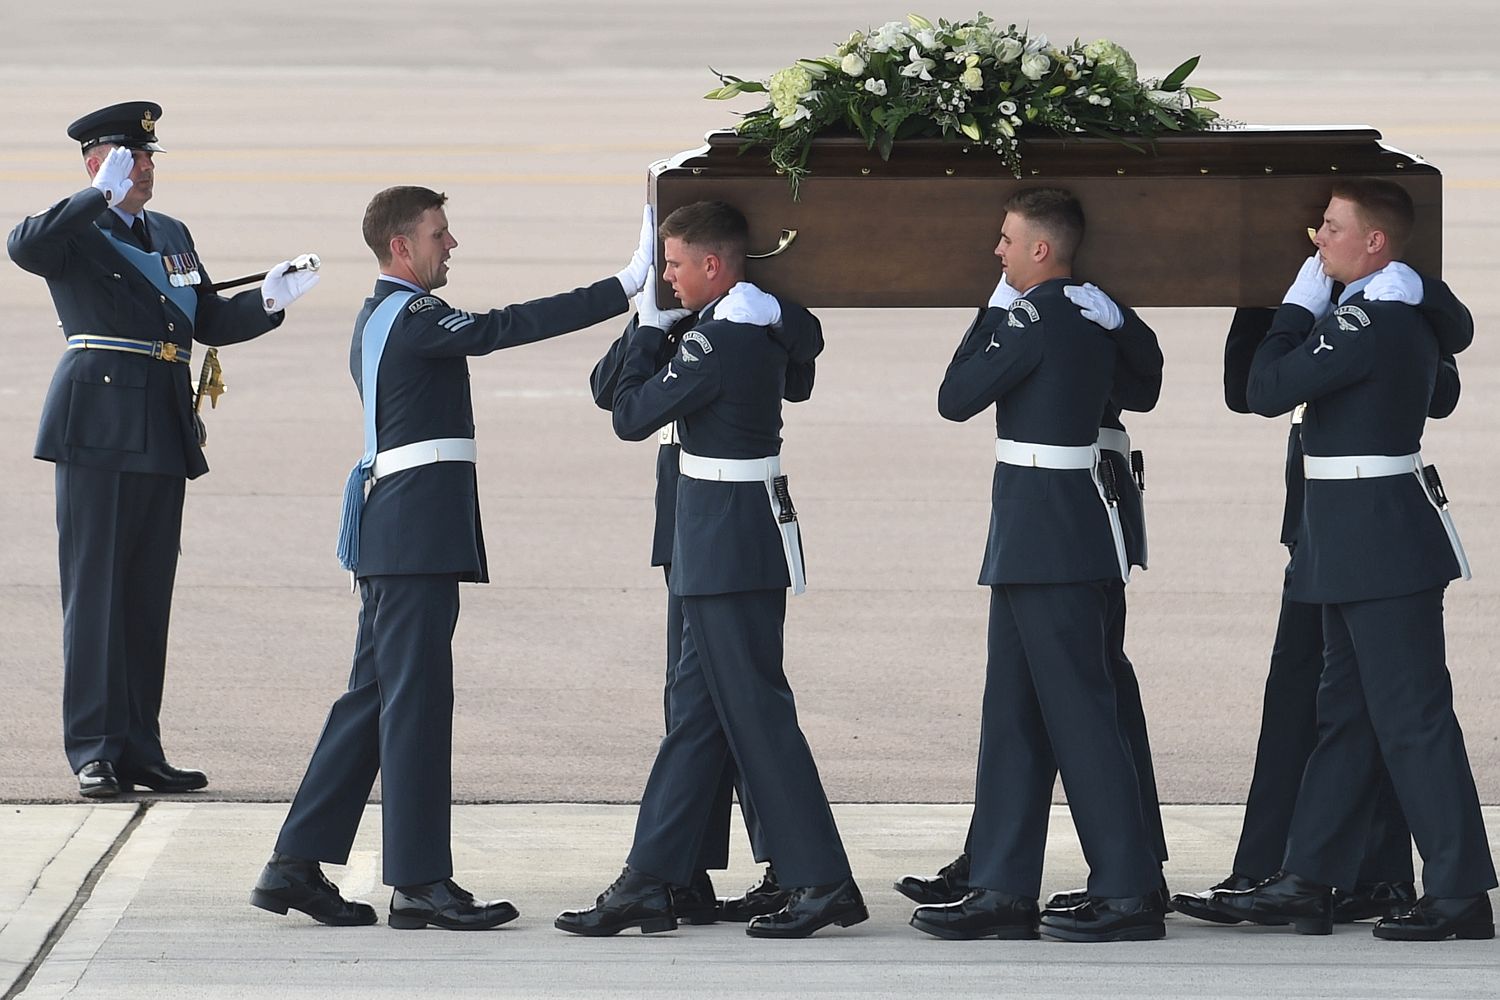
(1031, 113)
(877, 115)
(919, 22)
(883, 143)
(1057, 91)
(1166, 119)
(734, 89)
(971, 128)
(1200, 94)
(1174, 79)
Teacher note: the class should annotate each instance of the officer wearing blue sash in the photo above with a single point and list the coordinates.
(1137, 386)
(1055, 555)
(1376, 548)
(131, 297)
(409, 544)
(736, 549)
(1288, 727)
(744, 303)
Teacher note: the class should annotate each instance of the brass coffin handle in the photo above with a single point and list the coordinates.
(787, 236)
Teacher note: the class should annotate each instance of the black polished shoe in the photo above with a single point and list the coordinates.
(1195, 904)
(810, 909)
(949, 885)
(161, 777)
(1431, 919)
(1161, 898)
(635, 899)
(97, 780)
(292, 883)
(1373, 899)
(983, 913)
(1131, 918)
(766, 896)
(447, 905)
(696, 904)
(1281, 899)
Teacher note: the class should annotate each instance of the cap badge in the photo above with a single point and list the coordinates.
(148, 123)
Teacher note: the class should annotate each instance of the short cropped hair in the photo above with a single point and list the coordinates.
(396, 212)
(1382, 205)
(709, 226)
(1057, 212)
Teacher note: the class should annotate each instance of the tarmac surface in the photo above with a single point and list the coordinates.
(539, 123)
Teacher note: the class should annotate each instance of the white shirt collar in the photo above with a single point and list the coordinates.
(403, 281)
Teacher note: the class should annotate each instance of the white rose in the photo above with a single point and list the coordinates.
(852, 64)
(972, 78)
(1007, 50)
(876, 87)
(1034, 65)
(1070, 70)
(1037, 44)
(926, 38)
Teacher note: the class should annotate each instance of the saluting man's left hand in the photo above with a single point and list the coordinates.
(1396, 282)
(283, 286)
(1095, 306)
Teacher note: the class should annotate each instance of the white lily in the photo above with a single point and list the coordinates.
(919, 66)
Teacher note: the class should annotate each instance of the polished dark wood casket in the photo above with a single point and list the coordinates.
(1199, 219)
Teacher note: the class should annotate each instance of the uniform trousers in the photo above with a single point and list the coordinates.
(1386, 694)
(1132, 718)
(714, 854)
(1288, 732)
(118, 537)
(730, 703)
(1050, 707)
(395, 719)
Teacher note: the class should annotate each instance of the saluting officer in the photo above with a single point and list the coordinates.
(1376, 548)
(1137, 387)
(744, 303)
(409, 544)
(1055, 546)
(132, 296)
(1289, 719)
(736, 549)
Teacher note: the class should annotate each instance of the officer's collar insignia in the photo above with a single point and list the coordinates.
(148, 123)
(1356, 313)
(182, 269)
(1022, 305)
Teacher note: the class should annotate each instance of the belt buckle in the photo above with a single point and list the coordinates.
(164, 350)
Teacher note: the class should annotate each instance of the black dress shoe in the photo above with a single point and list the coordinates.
(696, 904)
(447, 905)
(1431, 919)
(1131, 918)
(97, 780)
(1373, 899)
(635, 899)
(766, 896)
(983, 913)
(162, 777)
(1161, 898)
(810, 909)
(949, 885)
(1281, 899)
(291, 883)
(1195, 904)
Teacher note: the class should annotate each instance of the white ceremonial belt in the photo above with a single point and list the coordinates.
(1115, 440)
(1046, 456)
(668, 434)
(758, 470)
(730, 470)
(409, 456)
(1359, 466)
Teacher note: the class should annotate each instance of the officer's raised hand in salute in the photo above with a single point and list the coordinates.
(132, 296)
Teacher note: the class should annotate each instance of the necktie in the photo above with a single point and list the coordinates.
(139, 228)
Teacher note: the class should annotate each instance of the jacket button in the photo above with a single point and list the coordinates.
(162, 298)
(106, 380)
(116, 277)
(171, 327)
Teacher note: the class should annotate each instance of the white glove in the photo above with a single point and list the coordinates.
(283, 286)
(1395, 283)
(646, 311)
(1095, 306)
(633, 278)
(1313, 289)
(745, 303)
(113, 175)
(1004, 296)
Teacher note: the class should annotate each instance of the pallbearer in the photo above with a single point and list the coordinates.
(1376, 548)
(1055, 559)
(132, 296)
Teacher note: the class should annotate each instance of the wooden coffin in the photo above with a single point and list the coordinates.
(1205, 219)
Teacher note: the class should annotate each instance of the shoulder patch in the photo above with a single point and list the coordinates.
(694, 336)
(1023, 306)
(1347, 316)
(422, 303)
